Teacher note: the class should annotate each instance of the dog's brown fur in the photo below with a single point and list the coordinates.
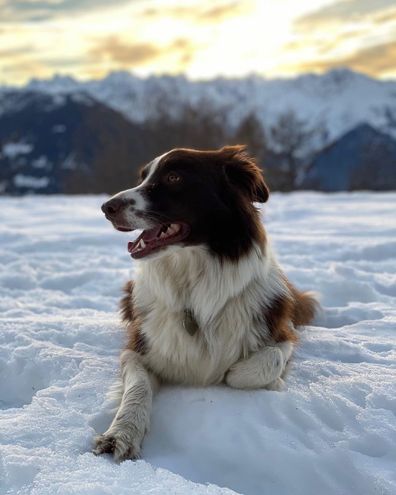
(132, 321)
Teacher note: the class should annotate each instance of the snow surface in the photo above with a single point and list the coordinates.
(332, 432)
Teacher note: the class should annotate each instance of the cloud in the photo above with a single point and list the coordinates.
(375, 60)
(10, 53)
(201, 13)
(179, 11)
(64, 63)
(17, 70)
(228, 10)
(132, 54)
(325, 45)
(385, 17)
(342, 12)
(125, 53)
(42, 10)
(358, 34)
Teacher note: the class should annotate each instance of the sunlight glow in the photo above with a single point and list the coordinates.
(202, 39)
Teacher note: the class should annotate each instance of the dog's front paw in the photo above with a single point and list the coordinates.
(122, 446)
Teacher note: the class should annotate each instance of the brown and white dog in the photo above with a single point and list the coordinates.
(210, 303)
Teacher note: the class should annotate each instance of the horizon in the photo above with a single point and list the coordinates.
(201, 40)
(263, 77)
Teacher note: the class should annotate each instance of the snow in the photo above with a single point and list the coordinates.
(58, 129)
(42, 162)
(12, 150)
(21, 180)
(332, 432)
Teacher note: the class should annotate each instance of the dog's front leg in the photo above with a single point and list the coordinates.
(124, 437)
(263, 369)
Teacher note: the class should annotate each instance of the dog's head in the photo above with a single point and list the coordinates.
(189, 197)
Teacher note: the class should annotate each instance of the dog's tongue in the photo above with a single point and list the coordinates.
(152, 239)
(147, 236)
(150, 234)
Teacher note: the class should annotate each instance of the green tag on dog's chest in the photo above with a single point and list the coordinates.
(189, 322)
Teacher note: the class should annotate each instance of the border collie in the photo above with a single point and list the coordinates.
(210, 303)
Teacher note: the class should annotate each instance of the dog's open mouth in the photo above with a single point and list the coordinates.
(154, 239)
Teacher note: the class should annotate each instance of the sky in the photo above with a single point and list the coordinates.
(201, 39)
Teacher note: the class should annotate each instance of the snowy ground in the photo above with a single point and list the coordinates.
(333, 431)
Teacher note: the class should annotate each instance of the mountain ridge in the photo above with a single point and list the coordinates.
(62, 135)
(337, 100)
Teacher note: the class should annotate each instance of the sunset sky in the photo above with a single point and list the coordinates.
(199, 38)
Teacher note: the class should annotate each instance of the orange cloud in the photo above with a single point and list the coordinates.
(200, 13)
(10, 53)
(342, 12)
(385, 17)
(220, 12)
(132, 54)
(125, 53)
(323, 45)
(375, 60)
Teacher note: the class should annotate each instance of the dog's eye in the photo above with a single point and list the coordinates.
(173, 178)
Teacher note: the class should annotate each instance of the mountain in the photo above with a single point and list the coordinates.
(338, 100)
(69, 136)
(64, 143)
(363, 158)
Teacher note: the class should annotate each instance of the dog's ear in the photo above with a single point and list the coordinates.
(242, 172)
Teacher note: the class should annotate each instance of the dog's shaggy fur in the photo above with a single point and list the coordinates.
(210, 303)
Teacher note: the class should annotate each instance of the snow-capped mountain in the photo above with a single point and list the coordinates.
(64, 143)
(64, 135)
(363, 158)
(339, 100)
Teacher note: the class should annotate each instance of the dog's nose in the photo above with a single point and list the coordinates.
(112, 206)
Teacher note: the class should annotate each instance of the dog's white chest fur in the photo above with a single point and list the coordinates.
(223, 298)
(178, 357)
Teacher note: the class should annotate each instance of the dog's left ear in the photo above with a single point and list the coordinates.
(242, 172)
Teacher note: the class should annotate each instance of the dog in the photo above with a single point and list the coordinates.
(210, 304)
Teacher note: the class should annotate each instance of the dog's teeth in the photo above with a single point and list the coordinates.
(142, 244)
(176, 227)
(163, 235)
(172, 229)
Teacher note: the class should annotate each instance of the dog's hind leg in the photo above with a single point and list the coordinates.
(262, 369)
(124, 437)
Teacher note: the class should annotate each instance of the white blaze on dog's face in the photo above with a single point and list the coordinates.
(189, 197)
(128, 209)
